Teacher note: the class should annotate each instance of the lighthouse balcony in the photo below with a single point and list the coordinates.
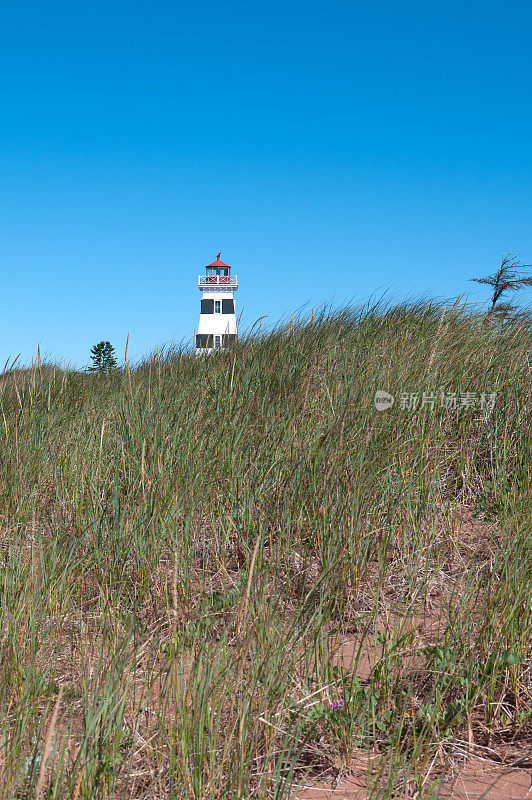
(225, 281)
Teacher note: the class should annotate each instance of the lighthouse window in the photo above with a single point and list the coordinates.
(217, 307)
(217, 341)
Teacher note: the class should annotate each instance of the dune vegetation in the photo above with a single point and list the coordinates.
(229, 576)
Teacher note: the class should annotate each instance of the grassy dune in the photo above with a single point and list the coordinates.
(224, 576)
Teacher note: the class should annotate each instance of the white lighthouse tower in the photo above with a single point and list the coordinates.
(217, 322)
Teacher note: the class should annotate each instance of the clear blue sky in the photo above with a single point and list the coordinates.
(330, 150)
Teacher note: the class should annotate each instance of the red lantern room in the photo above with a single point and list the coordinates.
(217, 271)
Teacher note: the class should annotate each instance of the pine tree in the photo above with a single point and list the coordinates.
(103, 360)
(508, 278)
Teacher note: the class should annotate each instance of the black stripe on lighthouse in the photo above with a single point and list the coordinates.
(204, 340)
(207, 306)
(228, 306)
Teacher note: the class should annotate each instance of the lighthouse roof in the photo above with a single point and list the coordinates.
(218, 263)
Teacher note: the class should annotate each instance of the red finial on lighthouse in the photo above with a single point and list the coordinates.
(218, 256)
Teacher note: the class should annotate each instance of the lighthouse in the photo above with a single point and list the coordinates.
(217, 322)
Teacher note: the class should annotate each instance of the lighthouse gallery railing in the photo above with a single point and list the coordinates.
(218, 280)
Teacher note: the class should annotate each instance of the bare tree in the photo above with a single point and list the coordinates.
(508, 278)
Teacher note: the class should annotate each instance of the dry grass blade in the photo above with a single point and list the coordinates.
(48, 746)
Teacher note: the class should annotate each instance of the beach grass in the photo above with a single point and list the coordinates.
(227, 576)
